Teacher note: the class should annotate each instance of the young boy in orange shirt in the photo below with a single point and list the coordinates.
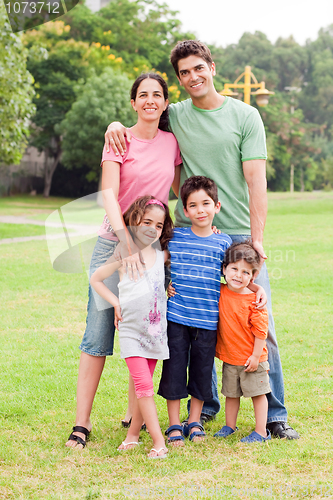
(241, 345)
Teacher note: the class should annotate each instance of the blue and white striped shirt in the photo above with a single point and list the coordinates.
(196, 275)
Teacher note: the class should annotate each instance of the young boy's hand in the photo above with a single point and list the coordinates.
(261, 298)
(171, 290)
(252, 364)
(117, 316)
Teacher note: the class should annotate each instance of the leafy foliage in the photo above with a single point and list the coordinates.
(16, 93)
(103, 99)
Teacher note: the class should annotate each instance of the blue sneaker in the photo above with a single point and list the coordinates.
(225, 432)
(254, 437)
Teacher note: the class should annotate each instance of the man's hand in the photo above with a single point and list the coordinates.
(132, 259)
(252, 364)
(171, 290)
(117, 316)
(261, 298)
(260, 249)
(115, 138)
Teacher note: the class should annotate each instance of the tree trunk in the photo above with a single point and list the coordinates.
(302, 181)
(49, 170)
(292, 178)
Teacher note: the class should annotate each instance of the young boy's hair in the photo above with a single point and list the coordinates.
(195, 183)
(242, 251)
(190, 48)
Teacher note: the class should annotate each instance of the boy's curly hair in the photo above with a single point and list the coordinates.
(135, 213)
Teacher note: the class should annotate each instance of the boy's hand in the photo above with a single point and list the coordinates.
(261, 298)
(251, 364)
(117, 316)
(171, 290)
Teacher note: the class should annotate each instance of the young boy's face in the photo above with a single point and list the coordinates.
(201, 209)
(238, 275)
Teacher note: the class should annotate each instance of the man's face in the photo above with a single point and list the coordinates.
(196, 76)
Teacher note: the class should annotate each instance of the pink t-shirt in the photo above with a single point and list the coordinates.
(147, 168)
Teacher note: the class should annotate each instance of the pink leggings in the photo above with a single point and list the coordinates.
(142, 370)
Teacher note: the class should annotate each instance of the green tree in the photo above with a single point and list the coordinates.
(16, 93)
(102, 99)
(57, 64)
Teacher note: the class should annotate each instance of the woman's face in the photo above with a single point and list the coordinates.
(149, 102)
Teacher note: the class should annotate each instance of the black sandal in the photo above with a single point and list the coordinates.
(79, 440)
(127, 423)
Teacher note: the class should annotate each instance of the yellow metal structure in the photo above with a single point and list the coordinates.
(262, 94)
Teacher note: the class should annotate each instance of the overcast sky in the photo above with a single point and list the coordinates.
(224, 21)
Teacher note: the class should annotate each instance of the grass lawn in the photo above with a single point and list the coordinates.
(42, 321)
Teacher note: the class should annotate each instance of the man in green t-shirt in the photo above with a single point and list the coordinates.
(223, 139)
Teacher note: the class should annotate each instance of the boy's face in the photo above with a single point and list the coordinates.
(201, 209)
(196, 76)
(238, 275)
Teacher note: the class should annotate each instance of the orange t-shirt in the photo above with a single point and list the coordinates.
(239, 323)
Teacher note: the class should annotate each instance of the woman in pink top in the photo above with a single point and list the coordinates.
(150, 165)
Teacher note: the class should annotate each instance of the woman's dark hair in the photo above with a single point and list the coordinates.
(242, 251)
(135, 213)
(164, 118)
(188, 48)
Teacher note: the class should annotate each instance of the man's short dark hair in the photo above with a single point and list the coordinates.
(190, 48)
(242, 251)
(195, 183)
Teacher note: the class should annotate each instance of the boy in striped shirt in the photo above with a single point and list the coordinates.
(196, 258)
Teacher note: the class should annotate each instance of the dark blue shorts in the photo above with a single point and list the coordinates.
(192, 347)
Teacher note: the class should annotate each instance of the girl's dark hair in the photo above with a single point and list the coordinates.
(242, 251)
(134, 215)
(164, 118)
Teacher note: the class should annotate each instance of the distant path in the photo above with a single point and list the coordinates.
(79, 229)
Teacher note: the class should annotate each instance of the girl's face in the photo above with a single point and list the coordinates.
(151, 226)
(238, 275)
(149, 102)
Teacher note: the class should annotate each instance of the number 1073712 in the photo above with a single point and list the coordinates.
(32, 7)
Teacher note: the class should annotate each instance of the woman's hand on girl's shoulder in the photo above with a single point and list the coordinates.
(131, 259)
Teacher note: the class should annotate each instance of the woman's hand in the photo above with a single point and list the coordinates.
(132, 259)
(171, 291)
(215, 230)
(115, 137)
(117, 316)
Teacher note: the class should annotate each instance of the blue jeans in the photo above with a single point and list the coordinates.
(98, 338)
(276, 410)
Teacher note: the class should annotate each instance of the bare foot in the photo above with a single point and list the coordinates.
(158, 453)
(71, 443)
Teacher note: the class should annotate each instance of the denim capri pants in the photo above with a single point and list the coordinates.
(98, 338)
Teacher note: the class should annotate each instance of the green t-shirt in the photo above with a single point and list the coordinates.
(214, 143)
